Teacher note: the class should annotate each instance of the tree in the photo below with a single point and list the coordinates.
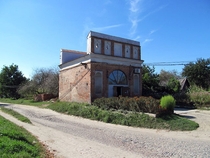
(150, 80)
(10, 79)
(173, 85)
(169, 81)
(44, 80)
(165, 76)
(198, 73)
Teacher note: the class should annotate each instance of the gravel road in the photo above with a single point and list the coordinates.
(69, 136)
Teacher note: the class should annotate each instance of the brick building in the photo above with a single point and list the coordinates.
(110, 67)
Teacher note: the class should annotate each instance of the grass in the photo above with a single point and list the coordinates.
(169, 122)
(23, 101)
(15, 114)
(16, 142)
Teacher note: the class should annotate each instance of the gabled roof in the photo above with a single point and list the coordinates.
(182, 82)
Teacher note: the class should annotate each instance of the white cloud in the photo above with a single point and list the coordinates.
(147, 40)
(134, 13)
(134, 6)
(139, 11)
(106, 27)
(137, 38)
(152, 31)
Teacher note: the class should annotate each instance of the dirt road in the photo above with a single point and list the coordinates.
(69, 136)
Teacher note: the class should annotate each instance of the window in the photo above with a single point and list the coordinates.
(135, 52)
(107, 48)
(136, 83)
(98, 82)
(118, 49)
(97, 46)
(117, 77)
(127, 51)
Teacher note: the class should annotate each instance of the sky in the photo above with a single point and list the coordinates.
(32, 32)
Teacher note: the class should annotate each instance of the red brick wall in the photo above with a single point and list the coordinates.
(74, 84)
(78, 83)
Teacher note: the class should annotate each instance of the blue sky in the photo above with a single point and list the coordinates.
(32, 32)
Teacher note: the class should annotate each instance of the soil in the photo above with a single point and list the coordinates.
(69, 136)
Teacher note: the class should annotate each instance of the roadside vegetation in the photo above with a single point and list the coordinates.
(23, 101)
(121, 110)
(16, 142)
(15, 114)
(123, 117)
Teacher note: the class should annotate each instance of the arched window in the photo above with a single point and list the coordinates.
(117, 77)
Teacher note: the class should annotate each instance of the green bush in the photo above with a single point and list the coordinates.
(135, 104)
(173, 85)
(199, 96)
(183, 100)
(200, 99)
(167, 102)
(135, 119)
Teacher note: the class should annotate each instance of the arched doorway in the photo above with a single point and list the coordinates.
(117, 84)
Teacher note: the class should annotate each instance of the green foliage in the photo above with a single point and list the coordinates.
(15, 141)
(24, 101)
(183, 100)
(167, 102)
(150, 80)
(122, 117)
(15, 114)
(10, 79)
(165, 76)
(200, 99)
(173, 85)
(198, 73)
(135, 104)
(175, 122)
(135, 119)
(196, 97)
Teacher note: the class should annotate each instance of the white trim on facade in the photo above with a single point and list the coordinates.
(101, 59)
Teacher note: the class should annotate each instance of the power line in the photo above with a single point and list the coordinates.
(169, 63)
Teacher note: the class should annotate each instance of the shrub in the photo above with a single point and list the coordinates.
(183, 100)
(173, 85)
(199, 96)
(200, 99)
(167, 102)
(135, 104)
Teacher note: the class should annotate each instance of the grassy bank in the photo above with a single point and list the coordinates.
(122, 117)
(17, 142)
(170, 122)
(23, 101)
(15, 114)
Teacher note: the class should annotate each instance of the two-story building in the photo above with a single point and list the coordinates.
(110, 67)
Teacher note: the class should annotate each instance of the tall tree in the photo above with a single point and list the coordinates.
(198, 73)
(10, 80)
(150, 80)
(165, 76)
(44, 80)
